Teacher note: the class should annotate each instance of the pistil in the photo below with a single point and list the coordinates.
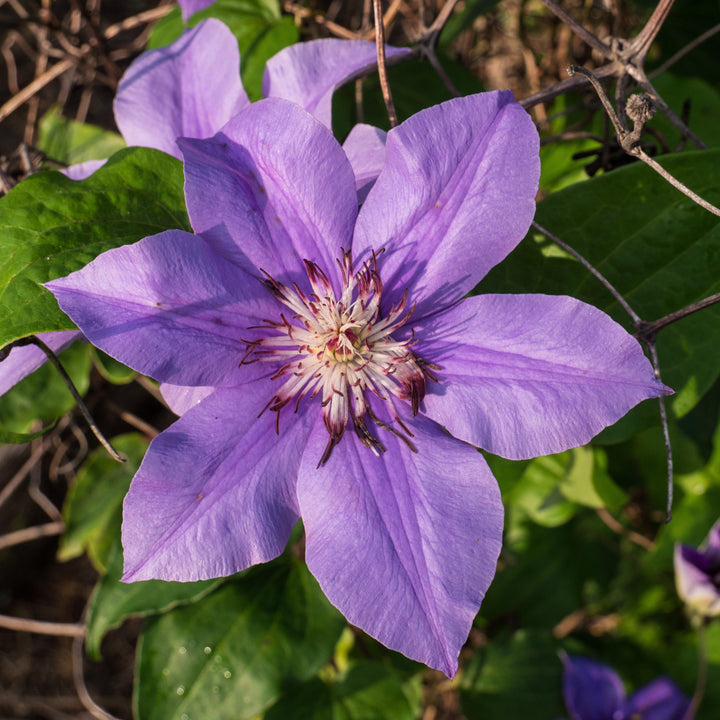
(341, 349)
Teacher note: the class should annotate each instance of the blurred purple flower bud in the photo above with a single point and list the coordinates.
(697, 574)
(594, 691)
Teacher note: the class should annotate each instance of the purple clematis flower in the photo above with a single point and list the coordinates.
(320, 356)
(697, 574)
(594, 691)
(192, 88)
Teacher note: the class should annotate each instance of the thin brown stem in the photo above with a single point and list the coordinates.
(602, 96)
(684, 51)
(440, 70)
(32, 533)
(630, 140)
(571, 251)
(592, 40)
(36, 85)
(443, 17)
(21, 474)
(620, 529)
(41, 627)
(658, 168)
(652, 349)
(81, 688)
(641, 43)
(34, 340)
(648, 330)
(606, 72)
(135, 20)
(382, 67)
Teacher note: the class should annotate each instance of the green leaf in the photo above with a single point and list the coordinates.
(366, 692)
(558, 169)
(44, 395)
(70, 142)
(113, 601)
(520, 677)
(257, 24)
(537, 493)
(7, 436)
(267, 43)
(233, 653)
(93, 506)
(587, 483)
(51, 226)
(656, 246)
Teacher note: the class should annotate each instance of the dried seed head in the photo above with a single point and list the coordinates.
(640, 107)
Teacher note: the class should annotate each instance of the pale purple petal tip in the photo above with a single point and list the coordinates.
(365, 148)
(467, 172)
(190, 7)
(529, 375)
(180, 398)
(83, 170)
(215, 492)
(592, 691)
(404, 544)
(26, 359)
(308, 73)
(190, 88)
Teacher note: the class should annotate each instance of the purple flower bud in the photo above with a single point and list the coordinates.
(594, 691)
(697, 574)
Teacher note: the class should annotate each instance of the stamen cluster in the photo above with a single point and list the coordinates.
(342, 348)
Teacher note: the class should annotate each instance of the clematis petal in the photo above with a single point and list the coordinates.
(190, 88)
(456, 195)
(181, 398)
(365, 148)
(190, 7)
(695, 581)
(216, 490)
(661, 699)
(25, 359)
(168, 307)
(273, 188)
(528, 375)
(592, 691)
(404, 544)
(308, 73)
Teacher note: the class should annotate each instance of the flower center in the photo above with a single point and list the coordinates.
(342, 350)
